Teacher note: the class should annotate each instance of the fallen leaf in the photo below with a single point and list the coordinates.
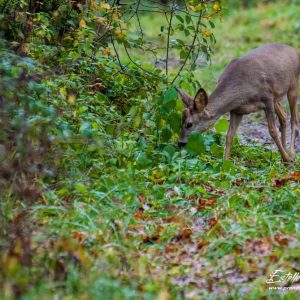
(258, 246)
(80, 236)
(212, 222)
(139, 215)
(239, 181)
(282, 240)
(206, 202)
(294, 176)
(151, 238)
(184, 234)
(142, 199)
(201, 244)
(174, 219)
(278, 183)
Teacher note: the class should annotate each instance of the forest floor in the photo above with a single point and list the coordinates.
(132, 216)
(256, 131)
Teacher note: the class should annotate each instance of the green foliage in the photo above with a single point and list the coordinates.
(196, 143)
(221, 125)
(97, 201)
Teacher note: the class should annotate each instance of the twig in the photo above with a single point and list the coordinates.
(136, 9)
(168, 38)
(130, 58)
(140, 26)
(117, 55)
(191, 48)
(106, 29)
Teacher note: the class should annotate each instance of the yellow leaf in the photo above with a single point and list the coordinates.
(216, 7)
(105, 5)
(197, 7)
(94, 5)
(82, 257)
(208, 17)
(206, 32)
(106, 51)
(123, 25)
(120, 35)
(63, 92)
(116, 16)
(101, 20)
(12, 265)
(82, 23)
(163, 295)
(71, 98)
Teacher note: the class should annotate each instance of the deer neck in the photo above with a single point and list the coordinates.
(221, 101)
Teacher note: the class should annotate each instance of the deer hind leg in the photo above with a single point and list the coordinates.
(292, 97)
(282, 117)
(270, 114)
(235, 120)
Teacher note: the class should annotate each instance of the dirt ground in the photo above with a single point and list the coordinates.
(254, 129)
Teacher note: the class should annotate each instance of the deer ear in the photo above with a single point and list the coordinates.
(200, 100)
(186, 99)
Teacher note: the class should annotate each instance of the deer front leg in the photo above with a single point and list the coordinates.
(235, 121)
(282, 117)
(269, 110)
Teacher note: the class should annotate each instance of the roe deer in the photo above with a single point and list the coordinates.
(257, 81)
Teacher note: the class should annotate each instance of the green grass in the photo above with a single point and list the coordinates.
(155, 223)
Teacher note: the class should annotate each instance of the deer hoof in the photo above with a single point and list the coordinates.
(292, 154)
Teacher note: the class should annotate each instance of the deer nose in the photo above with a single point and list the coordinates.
(181, 144)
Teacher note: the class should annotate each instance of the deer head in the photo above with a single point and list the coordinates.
(195, 117)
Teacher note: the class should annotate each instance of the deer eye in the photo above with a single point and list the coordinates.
(189, 125)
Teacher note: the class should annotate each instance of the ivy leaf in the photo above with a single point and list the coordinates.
(179, 18)
(195, 144)
(170, 150)
(188, 19)
(80, 187)
(221, 126)
(168, 100)
(143, 161)
(174, 120)
(166, 134)
(86, 129)
(169, 95)
(228, 167)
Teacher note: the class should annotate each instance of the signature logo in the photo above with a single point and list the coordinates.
(279, 276)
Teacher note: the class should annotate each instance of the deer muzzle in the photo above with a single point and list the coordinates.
(181, 144)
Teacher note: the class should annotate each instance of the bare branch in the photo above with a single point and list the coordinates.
(137, 65)
(168, 38)
(117, 54)
(191, 48)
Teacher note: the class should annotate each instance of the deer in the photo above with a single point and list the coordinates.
(259, 80)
